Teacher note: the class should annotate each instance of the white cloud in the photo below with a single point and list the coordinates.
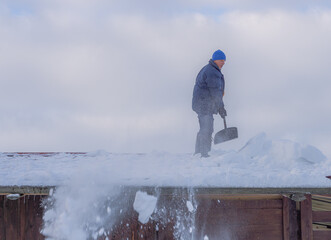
(78, 81)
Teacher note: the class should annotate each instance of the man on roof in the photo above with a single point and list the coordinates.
(208, 100)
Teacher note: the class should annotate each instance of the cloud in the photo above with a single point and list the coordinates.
(257, 4)
(79, 80)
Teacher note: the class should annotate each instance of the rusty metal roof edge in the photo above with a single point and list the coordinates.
(44, 190)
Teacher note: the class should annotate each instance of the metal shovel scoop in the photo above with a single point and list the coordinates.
(226, 134)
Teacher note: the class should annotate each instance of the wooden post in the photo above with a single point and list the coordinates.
(306, 218)
(290, 223)
(22, 214)
(286, 218)
(2, 218)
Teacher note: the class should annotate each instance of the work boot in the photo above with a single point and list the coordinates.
(205, 155)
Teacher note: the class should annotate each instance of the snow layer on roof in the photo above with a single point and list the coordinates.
(262, 162)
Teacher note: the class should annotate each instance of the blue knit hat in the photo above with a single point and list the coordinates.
(218, 55)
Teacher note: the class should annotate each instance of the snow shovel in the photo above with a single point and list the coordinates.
(226, 134)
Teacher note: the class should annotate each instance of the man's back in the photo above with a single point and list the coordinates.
(208, 90)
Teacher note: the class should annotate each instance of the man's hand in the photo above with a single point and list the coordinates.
(222, 112)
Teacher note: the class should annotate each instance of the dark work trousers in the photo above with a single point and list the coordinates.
(203, 141)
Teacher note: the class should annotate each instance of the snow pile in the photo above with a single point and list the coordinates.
(281, 152)
(260, 163)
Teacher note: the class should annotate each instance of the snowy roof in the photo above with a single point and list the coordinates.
(260, 163)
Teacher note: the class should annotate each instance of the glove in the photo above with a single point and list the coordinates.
(222, 112)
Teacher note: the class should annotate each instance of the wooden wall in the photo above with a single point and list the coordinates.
(21, 219)
(238, 218)
(217, 218)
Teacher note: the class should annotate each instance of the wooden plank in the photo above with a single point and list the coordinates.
(12, 219)
(131, 228)
(251, 223)
(294, 223)
(321, 196)
(322, 216)
(29, 215)
(216, 220)
(246, 204)
(241, 232)
(290, 222)
(126, 228)
(286, 218)
(322, 235)
(165, 232)
(321, 203)
(267, 230)
(257, 232)
(2, 220)
(244, 217)
(38, 216)
(33, 217)
(306, 218)
(22, 218)
(146, 231)
(239, 196)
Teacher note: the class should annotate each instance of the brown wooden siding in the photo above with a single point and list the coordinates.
(21, 219)
(218, 217)
(240, 219)
(321, 217)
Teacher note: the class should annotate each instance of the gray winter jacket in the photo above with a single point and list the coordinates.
(208, 90)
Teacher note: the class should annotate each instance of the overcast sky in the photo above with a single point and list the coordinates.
(79, 75)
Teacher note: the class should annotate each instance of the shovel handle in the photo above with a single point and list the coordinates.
(224, 123)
